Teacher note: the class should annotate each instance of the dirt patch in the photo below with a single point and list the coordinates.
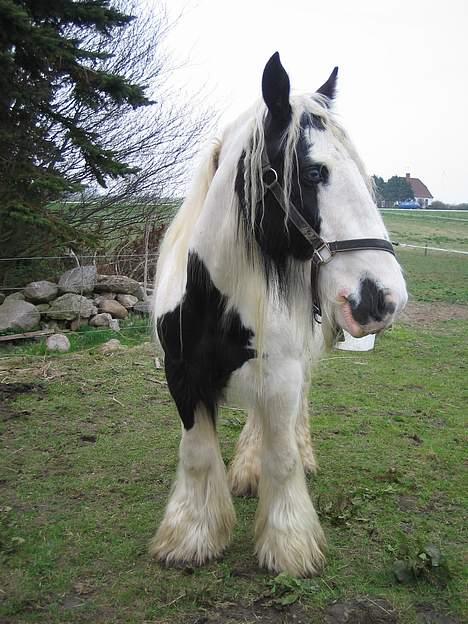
(258, 613)
(357, 611)
(408, 504)
(425, 314)
(9, 392)
(361, 611)
(428, 615)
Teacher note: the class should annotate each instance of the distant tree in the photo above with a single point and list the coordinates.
(438, 205)
(379, 187)
(397, 189)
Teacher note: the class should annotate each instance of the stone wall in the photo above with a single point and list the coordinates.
(80, 297)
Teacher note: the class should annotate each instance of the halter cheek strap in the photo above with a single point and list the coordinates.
(322, 251)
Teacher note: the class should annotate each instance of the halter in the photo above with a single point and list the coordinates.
(323, 251)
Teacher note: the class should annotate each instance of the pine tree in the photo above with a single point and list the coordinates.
(42, 55)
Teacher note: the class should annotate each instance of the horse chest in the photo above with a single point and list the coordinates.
(203, 344)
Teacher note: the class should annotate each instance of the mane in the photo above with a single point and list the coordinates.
(179, 231)
(314, 105)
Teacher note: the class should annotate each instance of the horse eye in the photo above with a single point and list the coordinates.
(315, 174)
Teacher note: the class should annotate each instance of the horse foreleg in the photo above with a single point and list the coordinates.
(288, 533)
(199, 517)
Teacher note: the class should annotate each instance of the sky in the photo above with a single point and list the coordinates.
(403, 72)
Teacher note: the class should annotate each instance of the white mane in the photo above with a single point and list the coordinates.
(315, 105)
(253, 147)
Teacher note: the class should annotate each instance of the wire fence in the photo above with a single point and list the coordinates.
(428, 248)
(107, 260)
(16, 272)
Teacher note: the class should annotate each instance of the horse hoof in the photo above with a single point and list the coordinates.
(184, 554)
(299, 556)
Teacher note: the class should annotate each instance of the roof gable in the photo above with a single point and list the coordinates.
(419, 188)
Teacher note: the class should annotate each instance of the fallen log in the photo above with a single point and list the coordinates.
(32, 334)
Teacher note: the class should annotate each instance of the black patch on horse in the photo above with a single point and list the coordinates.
(373, 305)
(280, 243)
(203, 344)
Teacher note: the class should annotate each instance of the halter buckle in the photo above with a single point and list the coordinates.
(323, 254)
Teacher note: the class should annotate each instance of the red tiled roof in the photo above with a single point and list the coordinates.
(419, 188)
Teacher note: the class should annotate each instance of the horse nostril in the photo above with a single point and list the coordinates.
(373, 303)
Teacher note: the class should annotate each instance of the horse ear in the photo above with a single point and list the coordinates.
(275, 90)
(328, 88)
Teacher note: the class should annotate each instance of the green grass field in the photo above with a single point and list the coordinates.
(89, 454)
(435, 229)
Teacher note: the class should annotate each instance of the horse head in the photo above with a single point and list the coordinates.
(320, 176)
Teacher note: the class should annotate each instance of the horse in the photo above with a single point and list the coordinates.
(277, 247)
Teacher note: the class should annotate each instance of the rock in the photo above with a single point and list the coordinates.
(77, 323)
(80, 280)
(40, 292)
(128, 301)
(2, 298)
(20, 315)
(58, 342)
(98, 299)
(101, 320)
(119, 284)
(17, 296)
(111, 346)
(114, 325)
(51, 325)
(70, 306)
(43, 308)
(143, 307)
(114, 308)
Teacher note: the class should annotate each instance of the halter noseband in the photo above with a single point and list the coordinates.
(323, 251)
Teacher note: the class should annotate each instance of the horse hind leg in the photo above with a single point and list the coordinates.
(199, 517)
(244, 471)
(304, 440)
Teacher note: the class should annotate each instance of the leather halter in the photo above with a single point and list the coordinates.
(322, 251)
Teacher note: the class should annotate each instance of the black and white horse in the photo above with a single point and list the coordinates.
(277, 198)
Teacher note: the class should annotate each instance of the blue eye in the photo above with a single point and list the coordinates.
(314, 174)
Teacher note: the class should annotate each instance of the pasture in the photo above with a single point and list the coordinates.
(89, 449)
(436, 229)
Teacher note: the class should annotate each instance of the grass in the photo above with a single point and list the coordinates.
(89, 455)
(438, 229)
(436, 277)
(88, 465)
(134, 330)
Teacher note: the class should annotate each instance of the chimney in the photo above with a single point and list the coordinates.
(408, 176)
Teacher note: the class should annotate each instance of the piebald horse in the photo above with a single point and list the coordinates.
(277, 246)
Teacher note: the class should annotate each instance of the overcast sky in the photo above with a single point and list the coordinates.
(403, 72)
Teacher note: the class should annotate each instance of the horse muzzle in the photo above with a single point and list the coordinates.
(368, 311)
